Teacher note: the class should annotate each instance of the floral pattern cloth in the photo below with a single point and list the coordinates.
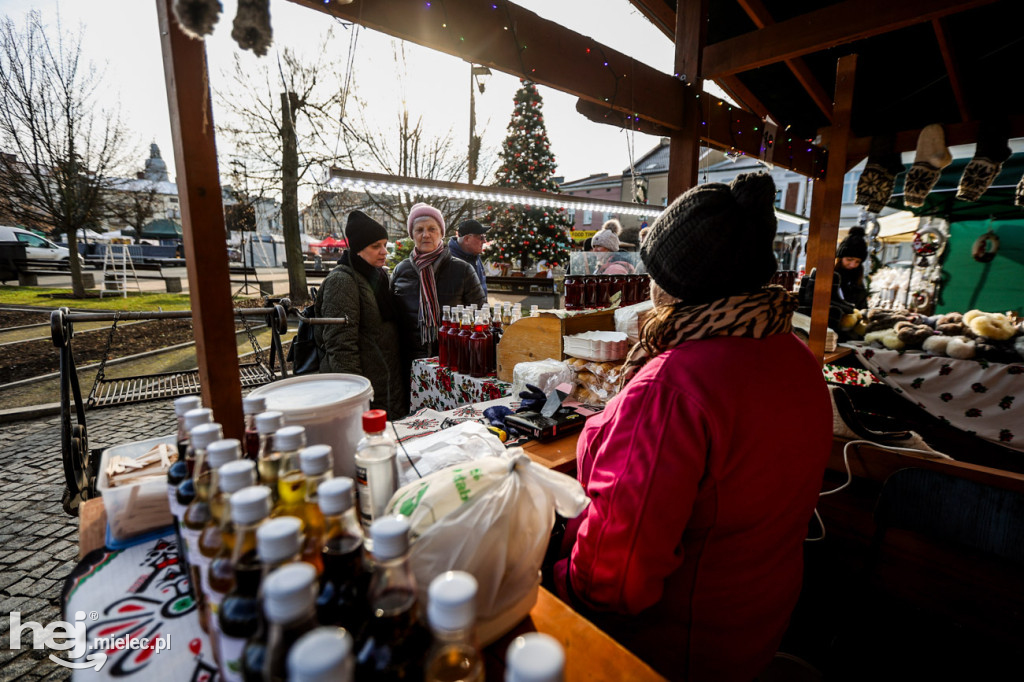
(439, 388)
(849, 376)
(427, 421)
(980, 397)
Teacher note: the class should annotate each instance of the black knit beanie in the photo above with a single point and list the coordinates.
(361, 230)
(715, 240)
(854, 246)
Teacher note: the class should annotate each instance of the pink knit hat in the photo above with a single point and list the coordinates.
(424, 211)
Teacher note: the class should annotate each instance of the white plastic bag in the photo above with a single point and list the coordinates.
(493, 518)
(544, 374)
(460, 443)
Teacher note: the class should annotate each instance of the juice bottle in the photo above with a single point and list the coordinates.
(280, 472)
(452, 339)
(396, 643)
(325, 653)
(315, 462)
(376, 468)
(288, 595)
(442, 336)
(239, 614)
(479, 363)
(464, 353)
(267, 424)
(252, 405)
(535, 656)
(344, 581)
(197, 515)
(451, 612)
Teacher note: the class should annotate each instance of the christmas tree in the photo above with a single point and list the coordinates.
(524, 232)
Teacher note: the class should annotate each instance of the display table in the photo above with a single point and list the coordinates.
(982, 398)
(439, 388)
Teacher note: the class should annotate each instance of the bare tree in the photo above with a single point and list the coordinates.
(60, 143)
(134, 203)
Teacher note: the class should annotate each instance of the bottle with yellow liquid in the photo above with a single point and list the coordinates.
(197, 514)
(317, 467)
(451, 611)
(290, 483)
(267, 424)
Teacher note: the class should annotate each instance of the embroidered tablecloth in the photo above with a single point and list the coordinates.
(426, 421)
(980, 397)
(439, 388)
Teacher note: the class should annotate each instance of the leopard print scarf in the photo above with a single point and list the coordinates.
(764, 313)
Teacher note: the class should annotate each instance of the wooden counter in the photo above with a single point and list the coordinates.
(558, 454)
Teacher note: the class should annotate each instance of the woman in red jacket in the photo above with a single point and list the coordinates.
(704, 471)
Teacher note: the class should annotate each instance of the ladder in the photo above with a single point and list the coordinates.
(118, 281)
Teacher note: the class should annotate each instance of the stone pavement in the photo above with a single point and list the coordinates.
(38, 541)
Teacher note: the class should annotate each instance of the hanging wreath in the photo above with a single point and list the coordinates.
(985, 247)
(929, 240)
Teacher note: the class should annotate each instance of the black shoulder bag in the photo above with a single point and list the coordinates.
(305, 353)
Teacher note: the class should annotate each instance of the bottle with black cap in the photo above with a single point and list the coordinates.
(322, 655)
(345, 580)
(288, 594)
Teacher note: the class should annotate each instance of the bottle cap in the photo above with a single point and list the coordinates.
(288, 591)
(268, 423)
(335, 495)
(186, 403)
(279, 539)
(289, 438)
(250, 505)
(220, 452)
(200, 415)
(254, 404)
(322, 655)
(534, 657)
(390, 535)
(374, 421)
(446, 308)
(315, 460)
(204, 434)
(237, 475)
(451, 603)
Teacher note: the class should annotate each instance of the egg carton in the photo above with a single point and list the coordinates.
(597, 346)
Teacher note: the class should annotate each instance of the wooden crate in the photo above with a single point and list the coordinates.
(539, 338)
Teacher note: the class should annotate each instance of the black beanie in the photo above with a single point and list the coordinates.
(854, 246)
(715, 240)
(361, 230)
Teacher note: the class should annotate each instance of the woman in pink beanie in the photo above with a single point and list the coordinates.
(428, 280)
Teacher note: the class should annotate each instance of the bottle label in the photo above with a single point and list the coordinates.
(231, 649)
(202, 564)
(363, 498)
(172, 497)
(191, 539)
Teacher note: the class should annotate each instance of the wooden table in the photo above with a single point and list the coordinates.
(558, 454)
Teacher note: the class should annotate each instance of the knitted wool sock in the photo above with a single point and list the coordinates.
(989, 155)
(932, 156)
(876, 182)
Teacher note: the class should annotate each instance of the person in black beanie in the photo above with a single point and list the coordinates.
(358, 289)
(850, 257)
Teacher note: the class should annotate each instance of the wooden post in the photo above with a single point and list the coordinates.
(684, 146)
(831, 202)
(202, 217)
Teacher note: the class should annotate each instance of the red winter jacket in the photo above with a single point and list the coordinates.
(703, 474)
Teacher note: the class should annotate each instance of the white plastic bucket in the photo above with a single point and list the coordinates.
(329, 406)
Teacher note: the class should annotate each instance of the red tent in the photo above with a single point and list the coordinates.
(331, 242)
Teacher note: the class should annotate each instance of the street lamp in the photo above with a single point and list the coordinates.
(477, 74)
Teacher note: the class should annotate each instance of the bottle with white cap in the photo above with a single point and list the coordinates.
(197, 515)
(317, 463)
(322, 655)
(345, 580)
(181, 406)
(517, 313)
(288, 595)
(291, 485)
(178, 472)
(535, 657)
(534, 311)
(252, 405)
(267, 424)
(376, 468)
(239, 616)
(451, 612)
(218, 454)
(396, 642)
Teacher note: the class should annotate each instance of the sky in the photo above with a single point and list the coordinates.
(122, 40)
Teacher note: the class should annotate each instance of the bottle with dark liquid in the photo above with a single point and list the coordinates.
(316, 463)
(451, 610)
(252, 405)
(239, 615)
(288, 595)
(267, 424)
(345, 580)
(396, 642)
(479, 363)
(326, 653)
(218, 455)
(452, 340)
(442, 336)
(464, 352)
(178, 472)
(197, 515)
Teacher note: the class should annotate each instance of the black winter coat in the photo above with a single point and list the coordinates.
(457, 284)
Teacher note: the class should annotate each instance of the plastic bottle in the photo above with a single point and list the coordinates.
(479, 363)
(218, 454)
(396, 642)
(345, 580)
(288, 595)
(239, 614)
(290, 486)
(535, 657)
(322, 655)
(464, 353)
(517, 313)
(376, 468)
(268, 424)
(451, 611)
(452, 339)
(182, 406)
(178, 472)
(316, 462)
(442, 336)
(506, 315)
(252, 405)
(534, 311)
(197, 515)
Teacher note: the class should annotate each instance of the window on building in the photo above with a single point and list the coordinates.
(850, 187)
(778, 198)
(588, 217)
(572, 215)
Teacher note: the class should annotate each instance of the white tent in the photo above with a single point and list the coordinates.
(895, 227)
(92, 235)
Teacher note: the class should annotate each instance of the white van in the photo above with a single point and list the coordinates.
(36, 248)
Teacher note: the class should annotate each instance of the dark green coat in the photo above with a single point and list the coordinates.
(367, 345)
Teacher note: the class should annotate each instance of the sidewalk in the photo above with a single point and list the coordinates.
(38, 541)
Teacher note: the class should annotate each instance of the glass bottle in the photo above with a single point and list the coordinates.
(465, 331)
(316, 462)
(589, 292)
(182, 406)
(517, 313)
(396, 642)
(535, 657)
(506, 315)
(478, 360)
(344, 581)
(573, 292)
(218, 455)
(325, 653)
(290, 486)
(442, 336)
(490, 344)
(452, 340)
(451, 612)
(288, 595)
(252, 405)
(534, 311)
(496, 327)
(376, 468)
(267, 424)
(197, 515)
(178, 472)
(603, 290)
(239, 614)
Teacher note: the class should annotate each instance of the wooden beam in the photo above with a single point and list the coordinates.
(951, 69)
(202, 217)
(659, 14)
(821, 29)
(832, 202)
(956, 133)
(743, 96)
(684, 145)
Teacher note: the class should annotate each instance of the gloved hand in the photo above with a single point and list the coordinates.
(495, 416)
(532, 400)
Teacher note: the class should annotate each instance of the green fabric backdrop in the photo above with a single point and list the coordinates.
(996, 286)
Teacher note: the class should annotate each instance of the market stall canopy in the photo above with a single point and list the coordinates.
(895, 227)
(92, 235)
(996, 202)
(161, 229)
(332, 242)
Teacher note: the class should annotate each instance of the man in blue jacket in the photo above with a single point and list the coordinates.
(468, 246)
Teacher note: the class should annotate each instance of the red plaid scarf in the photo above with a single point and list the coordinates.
(429, 308)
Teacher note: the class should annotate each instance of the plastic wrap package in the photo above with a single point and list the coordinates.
(596, 382)
(627, 320)
(493, 518)
(460, 443)
(544, 374)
